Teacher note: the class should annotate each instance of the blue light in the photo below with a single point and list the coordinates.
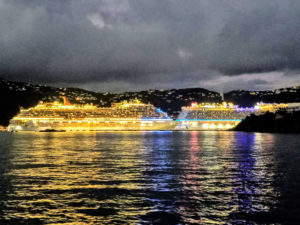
(159, 110)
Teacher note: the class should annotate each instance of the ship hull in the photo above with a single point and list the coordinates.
(221, 124)
(103, 126)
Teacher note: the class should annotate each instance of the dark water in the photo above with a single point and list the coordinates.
(149, 178)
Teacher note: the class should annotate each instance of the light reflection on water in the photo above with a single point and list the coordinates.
(146, 177)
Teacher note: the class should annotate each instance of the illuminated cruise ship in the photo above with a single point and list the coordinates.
(216, 116)
(126, 115)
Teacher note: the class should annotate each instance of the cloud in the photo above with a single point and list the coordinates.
(98, 21)
(255, 81)
(135, 44)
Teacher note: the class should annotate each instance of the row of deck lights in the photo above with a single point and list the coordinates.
(213, 125)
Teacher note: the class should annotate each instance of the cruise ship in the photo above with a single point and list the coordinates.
(126, 115)
(219, 116)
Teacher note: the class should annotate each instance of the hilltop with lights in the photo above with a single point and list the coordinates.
(14, 95)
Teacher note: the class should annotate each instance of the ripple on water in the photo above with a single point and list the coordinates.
(149, 178)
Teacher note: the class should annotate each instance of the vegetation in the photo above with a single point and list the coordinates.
(11, 101)
(279, 122)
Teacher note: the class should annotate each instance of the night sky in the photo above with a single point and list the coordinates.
(118, 45)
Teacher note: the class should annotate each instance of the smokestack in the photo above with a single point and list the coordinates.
(222, 96)
(66, 101)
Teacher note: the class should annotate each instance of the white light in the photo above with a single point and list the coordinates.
(18, 128)
(228, 125)
(205, 125)
(220, 126)
(212, 126)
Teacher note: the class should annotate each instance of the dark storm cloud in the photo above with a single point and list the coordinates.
(146, 43)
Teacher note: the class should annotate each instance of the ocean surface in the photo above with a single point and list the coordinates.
(212, 177)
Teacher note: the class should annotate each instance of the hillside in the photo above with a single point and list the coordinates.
(16, 94)
(250, 98)
(279, 122)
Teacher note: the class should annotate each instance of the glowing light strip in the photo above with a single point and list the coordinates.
(157, 119)
(38, 118)
(208, 120)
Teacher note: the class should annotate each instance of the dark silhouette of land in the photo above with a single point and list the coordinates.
(279, 122)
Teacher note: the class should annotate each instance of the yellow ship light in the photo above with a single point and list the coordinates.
(209, 106)
(228, 126)
(146, 123)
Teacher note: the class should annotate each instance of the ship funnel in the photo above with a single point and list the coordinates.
(66, 101)
(222, 96)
